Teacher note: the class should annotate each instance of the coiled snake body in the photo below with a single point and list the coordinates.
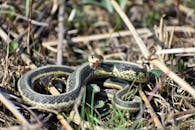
(78, 78)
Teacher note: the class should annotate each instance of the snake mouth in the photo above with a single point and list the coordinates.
(95, 65)
(95, 61)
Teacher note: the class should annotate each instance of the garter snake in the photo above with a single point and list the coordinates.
(77, 79)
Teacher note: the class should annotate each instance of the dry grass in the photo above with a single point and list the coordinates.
(159, 36)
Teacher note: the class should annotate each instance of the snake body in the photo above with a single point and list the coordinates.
(77, 79)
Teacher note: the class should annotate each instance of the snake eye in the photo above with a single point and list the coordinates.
(92, 56)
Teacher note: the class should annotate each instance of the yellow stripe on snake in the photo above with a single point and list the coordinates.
(78, 79)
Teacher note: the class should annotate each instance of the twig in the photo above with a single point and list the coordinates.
(168, 45)
(31, 112)
(171, 38)
(6, 59)
(34, 22)
(29, 27)
(143, 32)
(174, 115)
(175, 77)
(180, 29)
(183, 55)
(61, 32)
(176, 50)
(151, 111)
(161, 29)
(5, 9)
(186, 9)
(55, 6)
(4, 36)
(72, 15)
(31, 127)
(131, 28)
(14, 110)
(64, 122)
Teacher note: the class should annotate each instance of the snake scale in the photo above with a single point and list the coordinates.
(78, 79)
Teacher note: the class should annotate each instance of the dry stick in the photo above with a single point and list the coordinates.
(163, 37)
(55, 6)
(4, 36)
(150, 110)
(161, 29)
(171, 38)
(176, 50)
(14, 111)
(130, 26)
(32, 127)
(144, 32)
(72, 15)
(34, 22)
(168, 45)
(182, 55)
(180, 29)
(189, 111)
(64, 122)
(60, 33)
(186, 9)
(157, 63)
(29, 27)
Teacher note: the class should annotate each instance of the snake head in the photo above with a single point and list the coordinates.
(94, 61)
